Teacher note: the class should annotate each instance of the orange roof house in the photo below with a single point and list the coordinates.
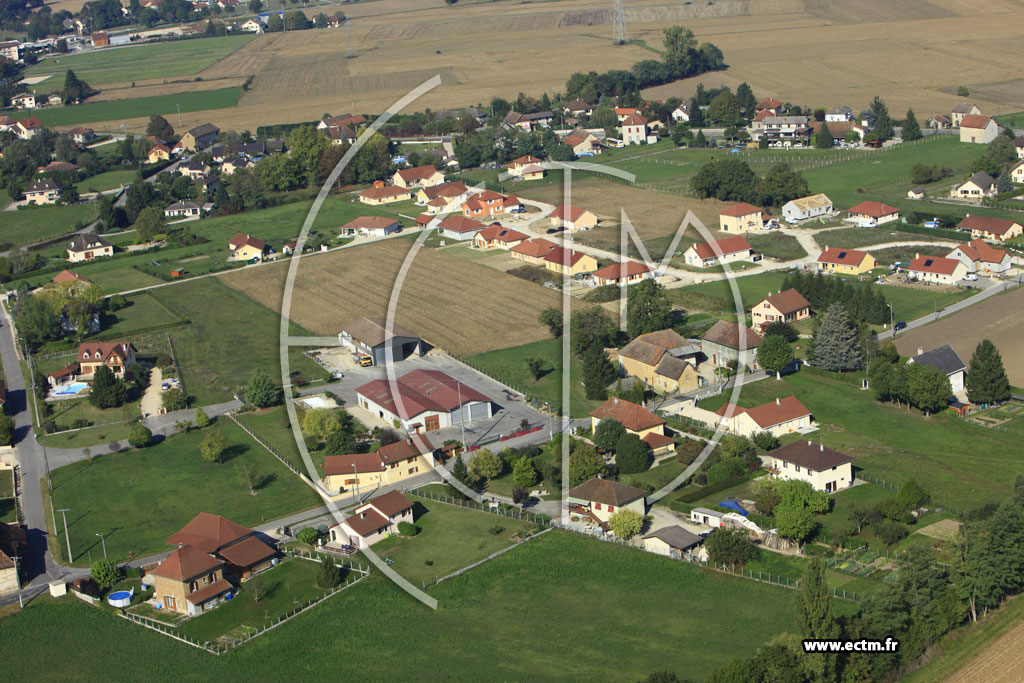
(874, 213)
(626, 272)
(788, 306)
(782, 416)
(845, 261)
(635, 418)
(741, 217)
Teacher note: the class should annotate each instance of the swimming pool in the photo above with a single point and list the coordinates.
(71, 389)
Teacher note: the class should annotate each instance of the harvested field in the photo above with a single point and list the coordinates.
(997, 662)
(458, 305)
(996, 318)
(943, 530)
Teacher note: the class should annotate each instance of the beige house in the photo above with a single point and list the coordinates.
(246, 248)
(664, 361)
(441, 198)
(627, 273)
(960, 111)
(781, 417)
(993, 229)
(740, 218)
(87, 247)
(845, 261)
(582, 143)
(568, 262)
(518, 166)
(977, 255)
(975, 188)
(572, 218)
(533, 251)
(190, 581)
(633, 130)
(937, 270)
(421, 176)
(42, 191)
(978, 129)
(115, 355)
(384, 194)
(12, 545)
(602, 498)
(635, 418)
(362, 472)
(726, 342)
(789, 306)
(498, 237)
(674, 541)
(1017, 171)
(376, 519)
(823, 468)
(710, 254)
(870, 214)
(199, 137)
(159, 153)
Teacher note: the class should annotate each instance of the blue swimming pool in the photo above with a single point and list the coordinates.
(71, 389)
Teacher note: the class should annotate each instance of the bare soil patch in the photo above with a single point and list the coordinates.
(1002, 660)
(943, 530)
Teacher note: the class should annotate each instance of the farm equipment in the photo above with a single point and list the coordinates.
(363, 359)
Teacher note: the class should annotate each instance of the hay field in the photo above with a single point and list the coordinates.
(458, 305)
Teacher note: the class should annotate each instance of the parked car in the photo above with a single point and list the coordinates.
(900, 325)
(971, 277)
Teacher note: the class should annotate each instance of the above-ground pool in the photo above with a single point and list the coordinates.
(71, 389)
(120, 598)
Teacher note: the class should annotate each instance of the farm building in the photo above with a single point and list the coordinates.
(823, 468)
(664, 361)
(945, 360)
(869, 214)
(43, 191)
(962, 109)
(360, 472)
(384, 194)
(844, 261)
(978, 255)
(568, 262)
(740, 218)
(995, 229)
(421, 176)
(427, 400)
(572, 218)
(674, 541)
(627, 273)
(458, 227)
(789, 306)
(533, 251)
(975, 188)
(978, 129)
(602, 498)
(369, 336)
(203, 135)
(805, 208)
(936, 269)
(377, 518)
(369, 226)
(781, 416)
(88, 247)
(498, 237)
(726, 342)
(635, 418)
(709, 254)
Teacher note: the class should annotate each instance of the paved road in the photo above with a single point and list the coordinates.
(994, 288)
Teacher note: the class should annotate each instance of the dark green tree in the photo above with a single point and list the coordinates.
(782, 329)
(461, 474)
(105, 573)
(746, 99)
(774, 354)
(882, 128)
(729, 547)
(75, 89)
(590, 327)
(632, 455)
(911, 127)
(836, 345)
(552, 318)
(160, 128)
(36, 321)
(929, 387)
(780, 185)
(607, 433)
(987, 382)
(817, 619)
(329, 575)
(598, 372)
(140, 436)
(647, 309)
(261, 391)
(107, 390)
(6, 430)
(730, 180)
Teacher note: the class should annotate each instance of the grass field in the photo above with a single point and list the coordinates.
(110, 180)
(8, 503)
(271, 425)
(140, 498)
(142, 313)
(36, 223)
(497, 603)
(855, 238)
(118, 110)
(137, 63)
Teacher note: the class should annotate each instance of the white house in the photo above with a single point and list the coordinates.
(634, 130)
(178, 209)
(978, 129)
(426, 400)
(726, 250)
(602, 498)
(376, 519)
(839, 114)
(936, 269)
(682, 112)
(805, 208)
(823, 468)
(947, 361)
(370, 226)
(978, 255)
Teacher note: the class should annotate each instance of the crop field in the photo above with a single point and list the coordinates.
(458, 305)
(116, 111)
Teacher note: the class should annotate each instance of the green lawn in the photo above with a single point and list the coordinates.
(66, 412)
(855, 238)
(8, 504)
(606, 624)
(776, 246)
(107, 181)
(143, 313)
(136, 63)
(140, 498)
(115, 111)
(271, 425)
(509, 367)
(91, 436)
(36, 223)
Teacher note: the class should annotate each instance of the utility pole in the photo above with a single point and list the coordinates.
(103, 540)
(619, 34)
(891, 326)
(179, 116)
(17, 577)
(64, 514)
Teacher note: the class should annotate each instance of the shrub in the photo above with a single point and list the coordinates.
(766, 441)
(626, 523)
(407, 529)
(309, 535)
(890, 532)
(105, 573)
(730, 467)
(140, 436)
(495, 530)
(729, 546)
(688, 450)
(116, 302)
(632, 455)
(329, 575)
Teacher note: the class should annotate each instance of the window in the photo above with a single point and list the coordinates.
(797, 467)
(597, 506)
(349, 482)
(611, 508)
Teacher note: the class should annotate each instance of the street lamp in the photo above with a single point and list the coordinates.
(103, 540)
(64, 514)
(891, 326)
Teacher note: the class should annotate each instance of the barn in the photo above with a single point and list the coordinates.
(369, 336)
(425, 401)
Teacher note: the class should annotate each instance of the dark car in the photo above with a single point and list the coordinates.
(902, 324)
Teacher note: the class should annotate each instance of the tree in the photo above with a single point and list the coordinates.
(783, 329)
(912, 495)
(306, 146)
(765, 440)
(261, 390)
(679, 44)
(160, 128)
(836, 345)
(585, 464)
(36, 320)
(590, 327)
(647, 309)
(329, 575)
(780, 185)
(626, 523)
(309, 535)
(341, 442)
(729, 546)
(523, 472)
(817, 620)
(911, 128)
(462, 475)
(173, 399)
(107, 390)
(485, 465)
(535, 366)
(928, 387)
(607, 433)
(320, 423)
(632, 455)
(725, 179)
(766, 499)
(725, 109)
(987, 382)
(213, 445)
(862, 514)
(105, 572)
(746, 98)
(794, 522)
(598, 373)
(6, 430)
(823, 138)
(202, 419)
(140, 436)
(882, 128)
(774, 354)
(249, 476)
(296, 21)
(75, 89)
(149, 223)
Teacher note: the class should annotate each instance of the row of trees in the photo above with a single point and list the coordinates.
(732, 180)
(862, 302)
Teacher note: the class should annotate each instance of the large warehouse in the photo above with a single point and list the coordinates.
(431, 400)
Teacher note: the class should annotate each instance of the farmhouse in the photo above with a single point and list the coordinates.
(995, 229)
(569, 262)
(975, 188)
(780, 417)
(769, 104)
(427, 400)
(674, 541)
(533, 251)
(844, 261)
(961, 110)
(947, 361)
(390, 464)
(977, 255)
(369, 226)
(246, 248)
(370, 337)
(625, 273)
(978, 129)
(384, 194)
(944, 271)
(458, 227)
(572, 218)
(498, 237)
(158, 153)
(582, 142)
(870, 214)
(664, 361)
(789, 306)
(43, 191)
(806, 208)
(823, 468)
(24, 101)
(740, 218)
(115, 355)
(178, 209)
(939, 122)
(726, 342)
(243, 552)
(200, 137)
(87, 247)
(602, 498)
(635, 418)
(376, 519)
(709, 254)
(634, 130)
(421, 176)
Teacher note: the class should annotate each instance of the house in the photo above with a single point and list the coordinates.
(568, 262)
(13, 544)
(635, 418)
(200, 137)
(251, 26)
(532, 251)
(6, 123)
(458, 227)
(194, 170)
(189, 581)
(915, 193)
(390, 464)
(527, 122)
(572, 218)
(602, 498)
(26, 128)
(9, 49)
(370, 337)
(498, 237)
(343, 120)
(87, 247)
(779, 417)
(962, 110)
(1017, 171)
(376, 519)
(823, 468)
(674, 541)
(741, 217)
(206, 184)
(660, 444)
(945, 271)
(726, 342)
(66, 374)
(939, 122)
(769, 104)
(384, 194)
(975, 188)
(806, 208)
(633, 130)
(624, 273)
(241, 549)
(232, 164)
(870, 214)
(427, 400)
(24, 101)
(58, 167)
(995, 229)
(845, 261)
(67, 276)
(518, 166)
(837, 129)
(1018, 143)
(947, 361)
(253, 150)
(54, 100)
(43, 191)
(246, 248)
(709, 254)
(789, 306)
(781, 128)
(100, 39)
(449, 193)
(977, 255)
(178, 209)
(578, 108)
(978, 129)
(159, 153)
(369, 226)
(81, 134)
(114, 355)
(839, 114)
(663, 360)
(583, 143)
(421, 176)
(484, 204)
(681, 114)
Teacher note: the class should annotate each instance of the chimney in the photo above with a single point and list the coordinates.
(808, 442)
(919, 350)
(778, 401)
(917, 256)
(362, 515)
(821, 447)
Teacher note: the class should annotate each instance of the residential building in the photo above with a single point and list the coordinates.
(975, 188)
(739, 218)
(568, 262)
(484, 204)
(806, 208)
(246, 248)
(978, 129)
(159, 153)
(364, 472)
(429, 400)
(1017, 170)
(572, 218)
(376, 519)
(789, 306)
(43, 191)
(253, 150)
(936, 269)
(779, 417)
(370, 337)
(533, 251)
(179, 209)
(458, 227)
(6, 123)
(194, 170)
(994, 229)
(939, 122)
(839, 114)
(624, 273)
(870, 214)
(962, 110)
(9, 49)
(421, 176)
(250, 26)
(114, 355)
(726, 342)
(664, 360)
(450, 193)
(342, 120)
(384, 194)
(243, 551)
(67, 276)
(602, 498)
(823, 468)
(200, 137)
(26, 128)
(1018, 143)
(845, 261)
(583, 143)
(527, 122)
(86, 247)
(232, 164)
(81, 134)
(13, 545)
(189, 581)
(837, 129)
(674, 541)
(977, 256)
(635, 418)
(369, 226)
(915, 193)
(633, 130)
(710, 254)
(24, 101)
(947, 361)
(498, 237)
(682, 112)
(518, 166)
(578, 108)
(769, 104)
(775, 128)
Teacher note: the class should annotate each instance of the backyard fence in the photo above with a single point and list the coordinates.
(487, 559)
(894, 488)
(501, 510)
(273, 451)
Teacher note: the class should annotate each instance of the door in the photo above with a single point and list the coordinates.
(433, 423)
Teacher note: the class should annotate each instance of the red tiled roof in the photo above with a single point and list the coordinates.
(789, 301)
(994, 226)
(353, 463)
(768, 103)
(370, 223)
(728, 245)
(421, 391)
(418, 173)
(209, 533)
(119, 350)
(452, 188)
(187, 563)
(770, 414)
(624, 269)
(873, 209)
(247, 553)
(655, 440)
(366, 522)
(842, 257)
(630, 415)
(525, 160)
(634, 120)
(563, 256)
(459, 223)
(68, 276)
(391, 503)
(740, 209)
(979, 250)
(212, 591)
(933, 264)
(606, 492)
(974, 121)
(404, 449)
(537, 247)
(498, 233)
(383, 192)
(726, 333)
(567, 213)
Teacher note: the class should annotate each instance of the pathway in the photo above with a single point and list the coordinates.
(152, 399)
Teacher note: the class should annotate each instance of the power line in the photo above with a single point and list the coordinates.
(620, 36)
